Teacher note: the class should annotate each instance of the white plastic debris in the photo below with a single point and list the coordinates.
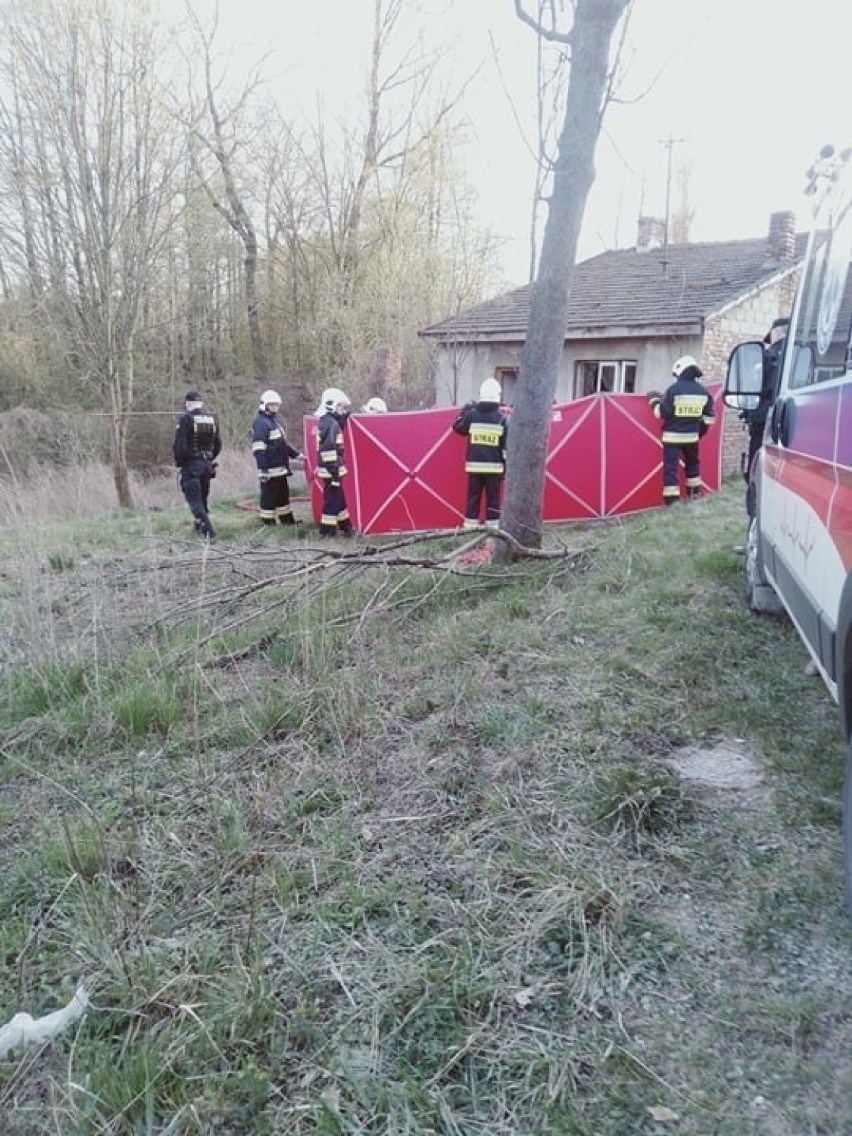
(23, 1029)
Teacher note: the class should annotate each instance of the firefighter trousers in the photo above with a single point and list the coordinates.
(479, 486)
(672, 454)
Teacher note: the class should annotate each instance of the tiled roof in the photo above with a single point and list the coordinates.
(628, 289)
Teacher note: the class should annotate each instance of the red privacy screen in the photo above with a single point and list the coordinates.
(604, 458)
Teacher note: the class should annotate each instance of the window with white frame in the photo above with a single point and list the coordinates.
(598, 376)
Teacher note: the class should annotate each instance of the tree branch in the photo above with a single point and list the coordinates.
(550, 34)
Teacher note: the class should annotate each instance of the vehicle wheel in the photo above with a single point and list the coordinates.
(760, 595)
(847, 828)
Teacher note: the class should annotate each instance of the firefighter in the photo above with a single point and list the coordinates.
(196, 446)
(686, 412)
(272, 453)
(333, 414)
(375, 405)
(486, 429)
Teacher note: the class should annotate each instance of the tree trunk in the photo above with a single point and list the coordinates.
(258, 347)
(120, 471)
(234, 211)
(590, 37)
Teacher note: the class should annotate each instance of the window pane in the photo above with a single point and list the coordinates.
(585, 379)
(608, 377)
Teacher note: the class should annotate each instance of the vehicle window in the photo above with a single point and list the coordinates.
(824, 318)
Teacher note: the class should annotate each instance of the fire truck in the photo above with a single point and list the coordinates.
(798, 554)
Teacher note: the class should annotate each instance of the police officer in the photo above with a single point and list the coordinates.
(272, 453)
(486, 429)
(196, 446)
(333, 414)
(686, 412)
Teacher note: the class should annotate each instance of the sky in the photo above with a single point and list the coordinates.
(747, 90)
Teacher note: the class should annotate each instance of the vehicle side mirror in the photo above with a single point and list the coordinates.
(744, 377)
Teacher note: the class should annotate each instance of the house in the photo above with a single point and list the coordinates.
(632, 312)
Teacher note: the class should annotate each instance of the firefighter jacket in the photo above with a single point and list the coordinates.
(271, 450)
(196, 436)
(486, 429)
(330, 465)
(685, 410)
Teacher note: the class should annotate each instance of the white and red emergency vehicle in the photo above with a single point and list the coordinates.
(799, 547)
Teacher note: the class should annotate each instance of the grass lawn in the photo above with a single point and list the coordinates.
(357, 841)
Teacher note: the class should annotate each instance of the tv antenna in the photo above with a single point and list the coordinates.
(669, 144)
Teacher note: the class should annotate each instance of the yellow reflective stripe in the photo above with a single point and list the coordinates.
(671, 438)
(671, 491)
(258, 447)
(278, 471)
(328, 455)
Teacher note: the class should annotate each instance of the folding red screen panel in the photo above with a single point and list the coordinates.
(604, 458)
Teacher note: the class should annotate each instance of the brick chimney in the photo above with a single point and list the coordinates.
(650, 233)
(781, 242)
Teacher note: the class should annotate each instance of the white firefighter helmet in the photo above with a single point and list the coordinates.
(681, 364)
(333, 398)
(269, 396)
(375, 405)
(489, 391)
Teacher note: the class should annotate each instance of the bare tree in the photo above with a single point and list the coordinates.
(589, 42)
(94, 153)
(216, 129)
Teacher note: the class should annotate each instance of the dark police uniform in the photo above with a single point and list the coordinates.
(196, 446)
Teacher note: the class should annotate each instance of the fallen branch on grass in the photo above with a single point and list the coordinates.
(314, 570)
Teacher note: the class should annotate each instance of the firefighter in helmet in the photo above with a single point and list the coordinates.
(332, 414)
(273, 453)
(375, 405)
(486, 429)
(196, 446)
(686, 412)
